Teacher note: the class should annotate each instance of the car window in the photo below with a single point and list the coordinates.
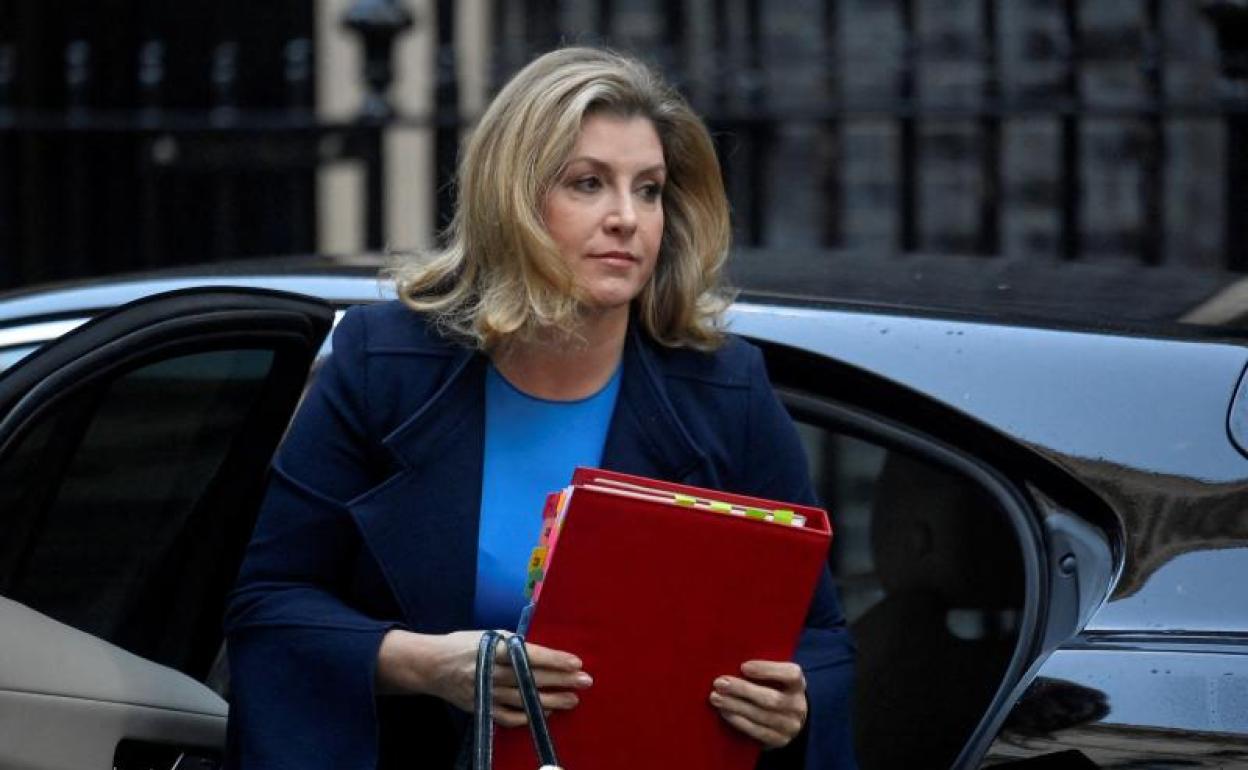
(118, 505)
(929, 574)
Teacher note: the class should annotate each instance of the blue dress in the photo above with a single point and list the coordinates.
(532, 445)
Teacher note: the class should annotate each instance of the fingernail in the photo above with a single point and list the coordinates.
(721, 684)
(576, 663)
(716, 698)
(584, 680)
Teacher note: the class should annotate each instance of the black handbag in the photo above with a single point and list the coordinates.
(483, 719)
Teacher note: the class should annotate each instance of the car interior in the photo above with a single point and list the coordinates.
(132, 459)
(935, 648)
(138, 552)
(931, 579)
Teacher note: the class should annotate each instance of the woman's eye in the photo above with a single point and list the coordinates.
(651, 192)
(586, 184)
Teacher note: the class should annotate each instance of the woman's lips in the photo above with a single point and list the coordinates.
(615, 256)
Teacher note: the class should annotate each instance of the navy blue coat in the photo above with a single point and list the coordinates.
(370, 523)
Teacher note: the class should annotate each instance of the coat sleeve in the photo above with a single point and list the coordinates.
(825, 650)
(302, 659)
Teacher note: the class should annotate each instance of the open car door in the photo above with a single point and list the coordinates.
(959, 557)
(1039, 533)
(132, 456)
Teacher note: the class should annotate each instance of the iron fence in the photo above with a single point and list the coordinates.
(132, 138)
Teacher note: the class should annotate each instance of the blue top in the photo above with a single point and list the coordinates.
(532, 445)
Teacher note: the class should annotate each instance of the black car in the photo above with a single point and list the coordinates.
(1041, 530)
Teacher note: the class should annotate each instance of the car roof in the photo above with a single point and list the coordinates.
(1108, 297)
(1096, 296)
(338, 281)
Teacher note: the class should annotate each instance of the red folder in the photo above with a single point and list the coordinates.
(658, 599)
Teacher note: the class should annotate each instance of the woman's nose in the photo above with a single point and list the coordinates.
(623, 215)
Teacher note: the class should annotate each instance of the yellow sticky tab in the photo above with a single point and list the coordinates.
(756, 513)
(782, 516)
(538, 557)
(685, 499)
(722, 507)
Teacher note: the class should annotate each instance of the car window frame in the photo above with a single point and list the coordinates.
(819, 411)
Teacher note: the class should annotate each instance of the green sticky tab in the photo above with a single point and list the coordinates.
(782, 516)
(756, 513)
(720, 506)
(685, 499)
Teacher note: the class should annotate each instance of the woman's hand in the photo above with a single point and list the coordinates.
(445, 665)
(769, 704)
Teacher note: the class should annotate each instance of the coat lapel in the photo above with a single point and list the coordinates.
(645, 437)
(421, 525)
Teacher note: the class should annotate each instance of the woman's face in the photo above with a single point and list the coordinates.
(605, 212)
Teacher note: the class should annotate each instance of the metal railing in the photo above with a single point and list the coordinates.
(90, 186)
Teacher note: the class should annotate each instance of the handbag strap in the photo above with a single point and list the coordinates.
(483, 699)
(542, 741)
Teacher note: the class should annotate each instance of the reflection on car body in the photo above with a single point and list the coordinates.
(1039, 529)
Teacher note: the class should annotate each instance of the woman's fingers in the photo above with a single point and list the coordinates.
(556, 660)
(788, 675)
(509, 717)
(555, 673)
(779, 719)
(771, 708)
(763, 735)
(539, 656)
(578, 680)
(551, 701)
(762, 696)
(551, 668)
(546, 678)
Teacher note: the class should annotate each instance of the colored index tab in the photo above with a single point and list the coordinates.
(551, 508)
(782, 516)
(537, 558)
(532, 582)
(722, 507)
(756, 513)
(685, 499)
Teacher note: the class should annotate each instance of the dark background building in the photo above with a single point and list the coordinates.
(137, 134)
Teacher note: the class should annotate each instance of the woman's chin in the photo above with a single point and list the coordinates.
(603, 307)
(607, 298)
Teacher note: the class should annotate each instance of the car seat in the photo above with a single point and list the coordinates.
(932, 652)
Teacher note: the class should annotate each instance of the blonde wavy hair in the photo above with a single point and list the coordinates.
(500, 274)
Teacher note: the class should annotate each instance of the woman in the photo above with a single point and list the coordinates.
(574, 318)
